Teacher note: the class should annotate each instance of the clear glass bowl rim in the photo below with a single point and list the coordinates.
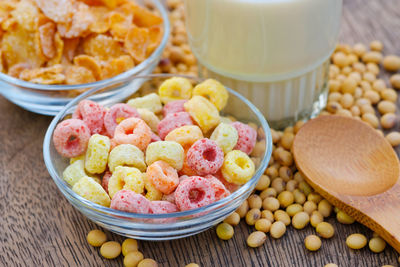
(102, 211)
(116, 79)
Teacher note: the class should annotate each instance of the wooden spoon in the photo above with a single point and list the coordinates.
(355, 169)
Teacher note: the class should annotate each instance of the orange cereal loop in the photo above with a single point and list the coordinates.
(163, 176)
(136, 42)
(185, 136)
(133, 131)
(186, 170)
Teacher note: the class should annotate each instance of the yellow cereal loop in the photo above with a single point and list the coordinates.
(97, 153)
(126, 178)
(214, 91)
(203, 112)
(238, 168)
(151, 102)
(126, 155)
(226, 136)
(152, 193)
(175, 88)
(185, 135)
(149, 118)
(168, 151)
(81, 157)
(87, 188)
(74, 172)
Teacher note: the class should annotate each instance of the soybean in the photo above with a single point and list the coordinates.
(256, 239)
(356, 241)
(312, 242)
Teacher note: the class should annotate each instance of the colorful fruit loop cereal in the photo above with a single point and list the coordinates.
(152, 193)
(205, 157)
(92, 114)
(97, 153)
(213, 90)
(173, 121)
(170, 152)
(194, 192)
(185, 135)
(87, 188)
(174, 107)
(126, 200)
(247, 137)
(162, 176)
(71, 138)
(176, 88)
(140, 172)
(116, 114)
(133, 131)
(75, 42)
(238, 168)
(126, 155)
(126, 178)
(226, 136)
(203, 112)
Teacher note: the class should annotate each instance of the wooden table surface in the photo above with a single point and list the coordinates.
(38, 227)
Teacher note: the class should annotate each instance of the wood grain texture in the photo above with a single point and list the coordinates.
(38, 227)
(355, 169)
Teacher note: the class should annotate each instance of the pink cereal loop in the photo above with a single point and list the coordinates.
(173, 121)
(162, 207)
(163, 177)
(116, 114)
(92, 114)
(71, 138)
(104, 181)
(194, 192)
(129, 201)
(205, 157)
(133, 131)
(174, 107)
(219, 188)
(247, 137)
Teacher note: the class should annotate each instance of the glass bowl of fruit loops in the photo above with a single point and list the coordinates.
(171, 161)
(52, 50)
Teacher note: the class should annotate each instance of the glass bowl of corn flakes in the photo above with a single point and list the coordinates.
(53, 50)
(170, 225)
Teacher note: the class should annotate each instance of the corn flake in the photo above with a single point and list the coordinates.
(49, 75)
(78, 75)
(70, 47)
(19, 46)
(155, 35)
(26, 13)
(136, 43)
(80, 23)
(59, 45)
(142, 17)
(60, 11)
(46, 36)
(102, 47)
(120, 25)
(89, 63)
(117, 66)
(16, 70)
(101, 21)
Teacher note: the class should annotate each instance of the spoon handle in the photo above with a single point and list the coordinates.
(382, 215)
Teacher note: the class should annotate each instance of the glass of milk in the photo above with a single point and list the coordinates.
(274, 52)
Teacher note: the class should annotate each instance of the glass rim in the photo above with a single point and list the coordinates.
(106, 82)
(105, 211)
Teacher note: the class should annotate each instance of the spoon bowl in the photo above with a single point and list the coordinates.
(355, 168)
